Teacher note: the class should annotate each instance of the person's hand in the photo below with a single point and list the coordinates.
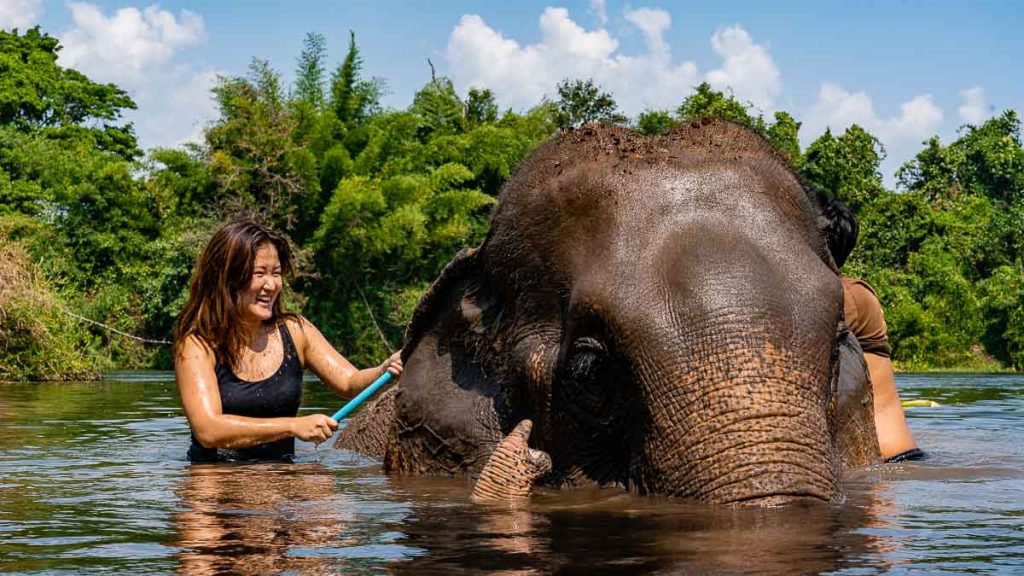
(393, 364)
(315, 428)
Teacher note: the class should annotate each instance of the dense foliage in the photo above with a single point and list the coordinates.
(377, 200)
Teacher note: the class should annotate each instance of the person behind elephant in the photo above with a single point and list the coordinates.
(239, 357)
(865, 318)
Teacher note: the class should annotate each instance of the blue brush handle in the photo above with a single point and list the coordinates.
(362, 396)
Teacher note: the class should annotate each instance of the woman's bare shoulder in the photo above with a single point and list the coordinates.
(193, 348)
(297, 325)
(299, 328)
(297, 321)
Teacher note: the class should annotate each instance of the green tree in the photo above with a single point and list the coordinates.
(994, 159)
(480, 107)
(255, 160)
(986, 160)
(309, 83)
(846, 167)
(335, 165)
(379, 240)
(892, 227)
(707, 102)
(581, 102)
(932, 173)
(440, 109)
(1003, 296)
(377, 201)
(182, 184)
(975, 186)
(344, 99)
(393, 145)
(353, 98)
(37, 95)
(654, 122)
(783, 134)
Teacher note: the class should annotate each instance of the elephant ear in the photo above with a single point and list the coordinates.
(856, 438)
(459, 288)
(444, 413)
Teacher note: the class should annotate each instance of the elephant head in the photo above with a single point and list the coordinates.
(663, 309)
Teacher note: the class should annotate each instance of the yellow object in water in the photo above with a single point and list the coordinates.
(920, 404)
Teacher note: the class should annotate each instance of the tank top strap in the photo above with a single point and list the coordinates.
(291, 355)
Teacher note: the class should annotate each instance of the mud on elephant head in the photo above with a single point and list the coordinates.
(664, 310)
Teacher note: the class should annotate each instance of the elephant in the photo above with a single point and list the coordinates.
(655, 313)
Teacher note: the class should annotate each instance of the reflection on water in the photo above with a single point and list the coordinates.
(93, 480)
(602, 531)
(248, 518)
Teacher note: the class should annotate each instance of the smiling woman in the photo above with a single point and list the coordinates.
(239, 357)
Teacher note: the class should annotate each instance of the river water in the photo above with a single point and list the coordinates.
(93, 480)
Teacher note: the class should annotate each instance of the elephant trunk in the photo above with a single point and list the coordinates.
(512, 468)
(745, 428)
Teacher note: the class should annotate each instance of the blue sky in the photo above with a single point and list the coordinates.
(903, 69)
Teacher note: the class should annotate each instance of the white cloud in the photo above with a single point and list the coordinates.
(974, 109)
(837, 109)
(747, 69)
(137, 48)
(196, 93)
(653, 24)
(563, 36)
(174, 106)
(520, 75)
(20, 14)
(919, 118)
(600, 11)
(124, 46)
(189, 109)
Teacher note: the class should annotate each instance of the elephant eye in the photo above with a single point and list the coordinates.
(587, 392)
(584, 359)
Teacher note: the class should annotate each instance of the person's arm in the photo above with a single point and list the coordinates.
(200, 396)
(334, 369)
(894, 435)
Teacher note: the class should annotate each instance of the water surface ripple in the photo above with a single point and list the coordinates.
(93, 480)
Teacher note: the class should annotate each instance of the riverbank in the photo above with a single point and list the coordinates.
(38, 341)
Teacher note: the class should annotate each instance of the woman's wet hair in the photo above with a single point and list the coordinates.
(213, 311)
(841, 230)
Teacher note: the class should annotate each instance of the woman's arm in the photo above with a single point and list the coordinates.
(331, 367)
(894, 435)
(197, 383)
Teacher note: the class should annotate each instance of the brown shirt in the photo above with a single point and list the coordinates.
(864, 316)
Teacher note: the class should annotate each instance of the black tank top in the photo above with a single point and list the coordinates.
(276, 396)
